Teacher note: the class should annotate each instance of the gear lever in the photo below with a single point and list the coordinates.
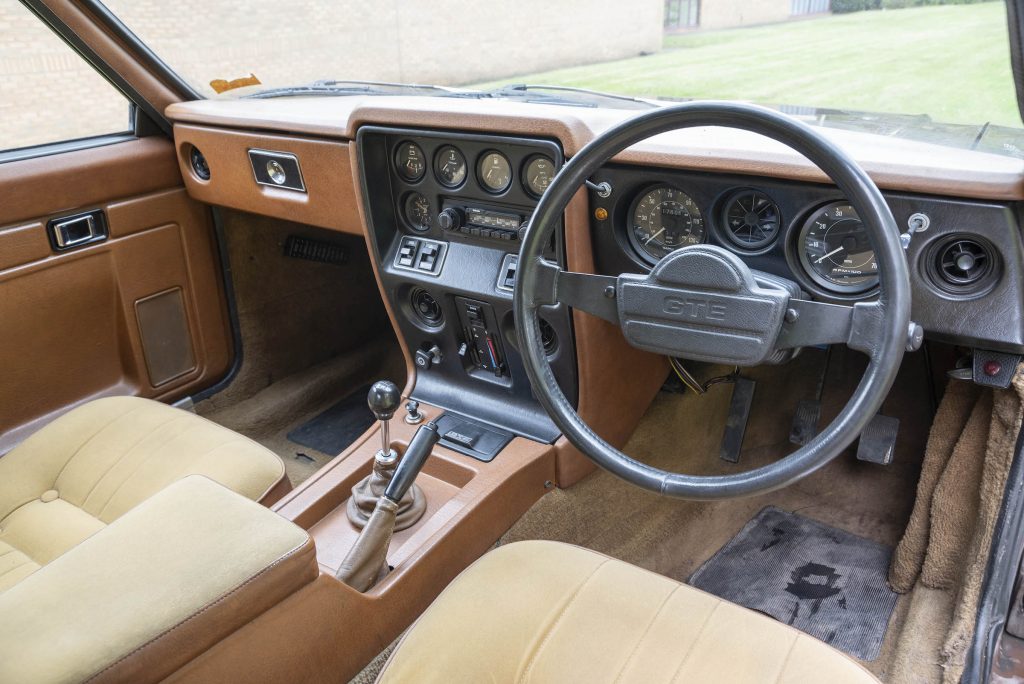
(384, 399)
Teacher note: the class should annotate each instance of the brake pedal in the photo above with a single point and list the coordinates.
(805, 422)
(739, 414)
(878, 441)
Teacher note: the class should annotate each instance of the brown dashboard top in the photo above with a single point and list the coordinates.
(894, 164)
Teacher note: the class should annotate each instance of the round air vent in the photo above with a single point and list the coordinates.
(426, 307)
(548, 337)
(751, 219)
(963, 264)
(198, 163)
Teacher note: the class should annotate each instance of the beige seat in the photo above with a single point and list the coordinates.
(84, 470)
(549, 612)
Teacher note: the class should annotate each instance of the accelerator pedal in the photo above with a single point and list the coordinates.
(878, 441)
(739, 414)
(805, 422)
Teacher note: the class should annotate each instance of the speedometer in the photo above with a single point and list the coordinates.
(664, 219)
(836, 252)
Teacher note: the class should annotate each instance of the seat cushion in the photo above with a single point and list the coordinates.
(549, 612)
(91, 465)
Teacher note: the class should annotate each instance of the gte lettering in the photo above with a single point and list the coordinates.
(698, 309)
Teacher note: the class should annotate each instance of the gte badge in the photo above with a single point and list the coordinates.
(696, 309)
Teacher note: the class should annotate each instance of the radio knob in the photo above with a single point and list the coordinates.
(450, 219)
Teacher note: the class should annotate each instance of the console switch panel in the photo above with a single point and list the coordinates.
(421, 255)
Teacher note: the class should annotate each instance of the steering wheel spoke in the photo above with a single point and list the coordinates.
(594, 294)
(812, 323)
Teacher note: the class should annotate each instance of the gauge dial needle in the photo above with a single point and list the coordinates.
(648, 240)
(834, 251)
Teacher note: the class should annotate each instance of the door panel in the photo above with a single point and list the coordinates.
(143, 312)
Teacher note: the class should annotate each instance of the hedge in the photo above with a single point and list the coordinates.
(844, 6)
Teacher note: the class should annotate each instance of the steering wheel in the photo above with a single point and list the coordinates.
(703, 303)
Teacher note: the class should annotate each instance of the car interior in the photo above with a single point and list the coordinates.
(417, 388)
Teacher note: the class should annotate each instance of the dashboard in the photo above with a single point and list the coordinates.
(965, 257)
(442, 189)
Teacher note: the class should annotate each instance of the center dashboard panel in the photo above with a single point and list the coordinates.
(446, 212)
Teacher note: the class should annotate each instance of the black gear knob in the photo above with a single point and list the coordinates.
(383, 399)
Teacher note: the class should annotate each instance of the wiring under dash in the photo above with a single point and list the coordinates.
(692, 383)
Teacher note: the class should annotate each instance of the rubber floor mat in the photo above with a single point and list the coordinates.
(337, 427)
(822, 581)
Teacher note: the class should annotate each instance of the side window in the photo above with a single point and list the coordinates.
(48, 93)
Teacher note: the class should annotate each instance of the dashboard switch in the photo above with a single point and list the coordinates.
(428, 358)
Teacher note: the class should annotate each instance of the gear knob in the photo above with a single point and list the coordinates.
(383, 399)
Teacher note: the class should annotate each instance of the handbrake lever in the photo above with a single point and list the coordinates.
(412, 461)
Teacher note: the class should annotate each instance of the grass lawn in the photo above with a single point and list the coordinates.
(951, 62)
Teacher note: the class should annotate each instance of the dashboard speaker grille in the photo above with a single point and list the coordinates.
(752, 219)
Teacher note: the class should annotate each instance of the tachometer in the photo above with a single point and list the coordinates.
(836, 252)
(664, 219)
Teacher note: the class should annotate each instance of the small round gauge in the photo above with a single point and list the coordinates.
(494, 172)
(664, 219)
(450, 166)
(538, 174)
(836, 252)
(410, 162)
(417, 211)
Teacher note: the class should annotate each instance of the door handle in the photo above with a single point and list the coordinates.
(76, 231)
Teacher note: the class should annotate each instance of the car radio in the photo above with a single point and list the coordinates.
(479, 222)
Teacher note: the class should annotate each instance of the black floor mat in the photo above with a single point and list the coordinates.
(337, 427)
(823, 581)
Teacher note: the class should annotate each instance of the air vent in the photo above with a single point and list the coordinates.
(964, 265)
(198, 163)
(426, 307)
(548, 337)
(751, 219)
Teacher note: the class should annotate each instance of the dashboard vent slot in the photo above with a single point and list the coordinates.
(548, 337)
(963, 265)
(751, 218)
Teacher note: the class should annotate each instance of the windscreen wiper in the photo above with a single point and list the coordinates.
(568, 95)
(334, 88)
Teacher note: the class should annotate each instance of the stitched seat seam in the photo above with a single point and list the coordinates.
(785, 661)
(139, 466)
(693, 644)
(650, 624)
(125, 454)
(554, 625)
(90, 439)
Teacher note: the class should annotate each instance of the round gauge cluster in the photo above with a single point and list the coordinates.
(662, 220)
(835, 250)
(494, 170)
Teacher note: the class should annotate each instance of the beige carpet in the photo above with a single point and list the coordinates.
(311, 334)
(683, 433)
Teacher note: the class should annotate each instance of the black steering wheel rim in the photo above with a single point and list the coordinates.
(893, 306)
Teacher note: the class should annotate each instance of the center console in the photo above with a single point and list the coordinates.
(446, 213)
